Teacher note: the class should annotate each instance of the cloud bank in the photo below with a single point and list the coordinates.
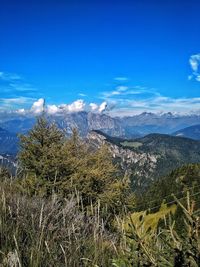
(121, 100)
(118, 107)
(9, 76)
(79, 105)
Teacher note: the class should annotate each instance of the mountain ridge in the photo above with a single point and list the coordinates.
(192, 132)
(126, 127)
(148, 158)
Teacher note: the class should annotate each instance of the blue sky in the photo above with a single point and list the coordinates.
(139, 55)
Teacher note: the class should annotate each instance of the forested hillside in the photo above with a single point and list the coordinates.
(178, 182)
(148, 158)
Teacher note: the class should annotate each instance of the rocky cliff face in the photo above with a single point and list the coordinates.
(148, 158)
(140, 166)
(87, 121)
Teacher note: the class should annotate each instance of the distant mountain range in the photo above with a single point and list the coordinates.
(126, 127)
(192, 132)
(8, 142)
(140, 143)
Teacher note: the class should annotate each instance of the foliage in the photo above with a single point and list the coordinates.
(178, 182)
(37, 231)
(4, 174)
(63, 166)
(40, 150)
(97, 179)
(150, 221)
(162, 246)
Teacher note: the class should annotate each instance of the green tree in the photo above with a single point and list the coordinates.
(40, 150)
(97, 179)
(65, 166)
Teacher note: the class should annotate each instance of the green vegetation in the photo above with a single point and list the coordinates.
(70, 206)
(163, 246)
(53, 164)
(151, 220)
(178, 182)
(171, 152)
(131, 144)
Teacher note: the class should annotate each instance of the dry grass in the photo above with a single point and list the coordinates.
(54, 232)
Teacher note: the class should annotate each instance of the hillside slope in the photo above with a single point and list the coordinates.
(148, 158)
(177, 182)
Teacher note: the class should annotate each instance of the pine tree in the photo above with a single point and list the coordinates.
(65, 166)
(40, 150)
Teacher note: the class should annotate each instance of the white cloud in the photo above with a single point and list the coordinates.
(16, 101)
(115, 106)
(198, 78)
(76, 106)
(98, 108)
(122, 88)
(38, 106)
(81, 94)
(13, 104)
(93, 106)
(121, 79)
(22, 87)
(15, 91)
(103, 106)
(125, 107)
(21, 111)
(195, 64)
(12, 100)
(52, 109)
(9, 76)
(125, 91)
(118, 91)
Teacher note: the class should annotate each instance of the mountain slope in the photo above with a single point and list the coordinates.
(192, 132)
(83, 121)
(8, 142)
(18, 125)
(87, 121)
(177, 182)
(148, 158)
